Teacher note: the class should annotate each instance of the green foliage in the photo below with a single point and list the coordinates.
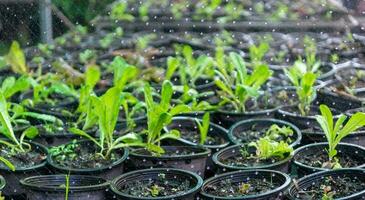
(16, 59)
(335, 132)
(11, 85)
(119, 12)
(14, 144)
(160, 115)
(275, 132)
(87, 56)
(8, 164)
(245, 86)
(205, 9)
(203, 127)
(257, 53)
(303, 81)
(267, 148)
(155, 190)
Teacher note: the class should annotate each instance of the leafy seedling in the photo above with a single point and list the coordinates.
(203, 127)
(335, 132)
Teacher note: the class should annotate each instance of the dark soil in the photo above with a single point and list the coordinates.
(247, 161)
(22, 160)
(81, 156)
(156, 188)
(194, 135)
(337, 186)
(228, 188)
(255, 132)
(320, 158)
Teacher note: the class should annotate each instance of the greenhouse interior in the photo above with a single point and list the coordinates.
(182, 99)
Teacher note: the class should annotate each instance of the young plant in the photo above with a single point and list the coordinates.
(205, 9)
(16, 59)
(160, 115)
(109, 38)
(275, 132)
(257, 53)
(13, 143)
(118, 12)
(11, 85)
(267, 148)
(203, 127)
(335, 132)
(245, 86)
(303, 81)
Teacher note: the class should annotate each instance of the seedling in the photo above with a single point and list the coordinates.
(160, 115)
(267, 148)
(257, 53)
(205, 9)
(107, 40)
(336, 132)
(275, 132)
(14, 144)
(304, 86)
(155, 190)
(11, 85)
(244, 188)
(244, 87)
(87, 57)
(203, 127)
(16, 59)
(118, 12)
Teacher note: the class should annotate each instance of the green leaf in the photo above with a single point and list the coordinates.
(7, 163)
(92, 75)
(16, 59)
(166, 94)
(123, 72)
(172, 65)
(6, 120)
(203, 127)
(240, 66)
(82, 133)
(179, 109)
(173, 134)
(31, 132)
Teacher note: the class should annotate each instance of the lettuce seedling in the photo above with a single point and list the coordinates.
(257, 53)
(335, 132)
(16, 145)
(303, 82)
(245, 85)
(203, 127)
(16, 59)
(267, 148)
(205, 9)
(160, 115)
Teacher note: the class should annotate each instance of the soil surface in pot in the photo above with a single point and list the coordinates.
(319, 159)
(22, 160)
(152, 188)
(81, 156)
(334, 186)
(194, 135)
(255, 132)
(251, 160)
(228, 188)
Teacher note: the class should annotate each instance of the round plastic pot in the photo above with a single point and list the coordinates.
(13, 187)
(338, 101)
(80, 188)
(239, 176)
(234, 151)
(264, 123)
(150, 174)
(108, 171)
(306, 182)
(357, 152)
(300, 121)
(195, 162)
(227, 119)
(188, 123)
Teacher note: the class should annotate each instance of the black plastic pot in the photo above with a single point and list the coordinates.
(188, 123)
(141, 159)
(227, 119)
(150, 174)
(338, 101)
(108, 172)
(355, 151)
(13, 187)
(300, 121)
(234, 151)
(241, 176)
(264, 123)
(315, 179)
(81, 187)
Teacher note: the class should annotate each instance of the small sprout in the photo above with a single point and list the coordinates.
(244, 188)
(155, 190)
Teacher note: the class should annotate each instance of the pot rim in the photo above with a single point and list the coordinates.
(231, 174)
(25, 182)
